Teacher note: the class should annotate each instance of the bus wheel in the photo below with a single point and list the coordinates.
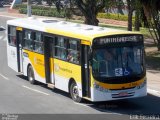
(30, 75)
(74, 92)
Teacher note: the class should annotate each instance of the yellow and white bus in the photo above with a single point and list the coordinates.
(89, 62)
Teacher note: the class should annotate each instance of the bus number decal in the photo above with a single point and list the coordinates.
(118, 72)
(121, 72)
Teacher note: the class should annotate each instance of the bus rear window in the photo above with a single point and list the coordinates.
(12, 35)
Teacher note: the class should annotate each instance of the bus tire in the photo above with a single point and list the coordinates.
(30, 75)
(74, 92)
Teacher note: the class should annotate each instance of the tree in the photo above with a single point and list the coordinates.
(152, 12)
(120, 5)
(89, 9)
(131, 8)
(49, 2)
(138, 15)
(39, 2)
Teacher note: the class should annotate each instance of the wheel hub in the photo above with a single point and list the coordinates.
(30, 76)
(75, 92)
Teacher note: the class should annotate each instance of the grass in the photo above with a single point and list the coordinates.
(143, 31)
(113, 26)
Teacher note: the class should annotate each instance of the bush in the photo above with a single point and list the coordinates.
(113, 16)
(49, 13)
(33, 7)
(41, 11)
(52, 12)
(23, 11)
(20, 6)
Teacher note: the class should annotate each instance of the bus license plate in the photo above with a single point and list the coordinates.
(123, 94)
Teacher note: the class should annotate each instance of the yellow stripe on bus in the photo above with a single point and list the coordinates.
(19, 28)
(120, 86)
(67, 70)
(84, 42)
(37, 61)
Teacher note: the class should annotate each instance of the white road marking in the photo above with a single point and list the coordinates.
(153, 92)
(4, 77)
(112, 113)
(7, 16)
(82, 104)
(3, 38)
(35, 90)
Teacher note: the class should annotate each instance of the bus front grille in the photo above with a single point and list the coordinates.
(123, 94)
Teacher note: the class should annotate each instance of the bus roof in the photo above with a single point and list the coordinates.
(68, 29)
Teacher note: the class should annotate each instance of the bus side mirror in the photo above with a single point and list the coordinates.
(2, 28)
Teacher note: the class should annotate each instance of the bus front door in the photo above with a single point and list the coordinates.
(48, 52)
(85, 71)
(19, 51)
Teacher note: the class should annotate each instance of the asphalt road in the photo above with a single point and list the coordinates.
(18, 96)
(2, 9)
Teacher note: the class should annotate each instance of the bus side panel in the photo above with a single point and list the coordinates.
(64, 71)
(37, 62)
(12, 49)
(12, 57)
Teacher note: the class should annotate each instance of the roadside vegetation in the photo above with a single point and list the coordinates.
(41, 11)
(142, 15)
(52, 12)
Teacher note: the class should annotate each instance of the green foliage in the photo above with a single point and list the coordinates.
(110, 4)
(114, 16)
(41, 11)
(33, 7)
(23, 10)
(68, 13)
(20, 6)
(113, 3)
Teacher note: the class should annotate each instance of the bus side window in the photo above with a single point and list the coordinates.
(12, 35)
(73, 51)
(28, 39)
(60, 48)
(73, 56)
(38, 43)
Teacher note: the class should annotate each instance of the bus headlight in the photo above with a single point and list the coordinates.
(142, 85)
(100, 88)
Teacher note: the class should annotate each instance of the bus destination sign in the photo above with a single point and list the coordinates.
(118, 39)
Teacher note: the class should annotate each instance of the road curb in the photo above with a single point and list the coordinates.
(153, 92)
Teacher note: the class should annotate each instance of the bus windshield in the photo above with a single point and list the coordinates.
(117, 61)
